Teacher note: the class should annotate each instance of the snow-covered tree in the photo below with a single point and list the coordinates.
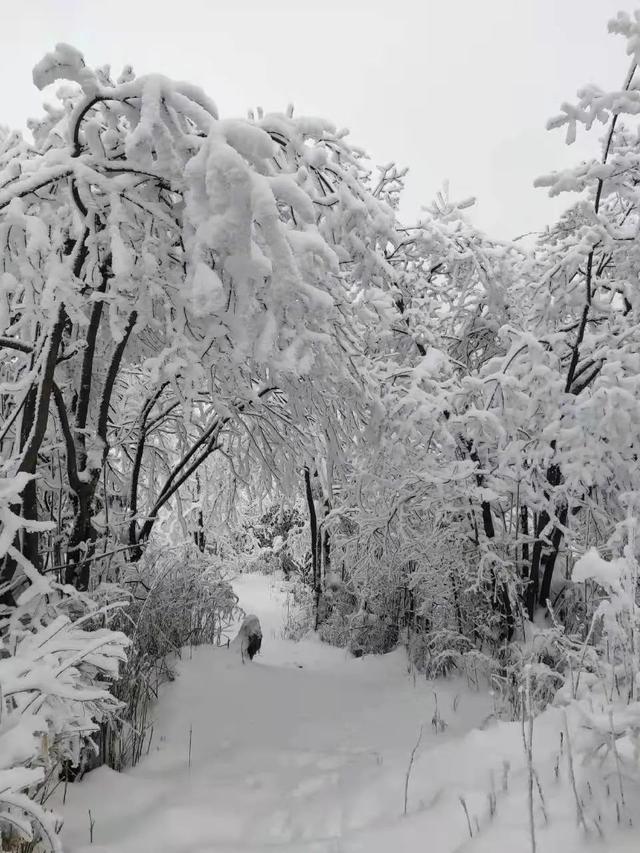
(171, 273)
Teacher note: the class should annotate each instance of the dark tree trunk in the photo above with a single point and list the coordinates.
(81, 545)
(198, 535)
(551, 556)
(456, 600)
(500, 589)
(316, 544)
(524, 525)
(541, 555)
(34, 425)
(326, 545)
(313, 527)
(78, 567)
(531, 592)
(30, 539)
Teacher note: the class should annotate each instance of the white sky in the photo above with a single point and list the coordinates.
(454, 89)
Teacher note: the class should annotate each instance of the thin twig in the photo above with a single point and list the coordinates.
(409, 768)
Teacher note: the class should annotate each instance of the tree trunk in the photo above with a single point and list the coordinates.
(550, 558)
(524, 524)
(29, 510)
(313, 527)
(78, 568)
(198, 535)
(500, 590)
(315, 545)
(535, 594)
(325, 545)
(34, 424)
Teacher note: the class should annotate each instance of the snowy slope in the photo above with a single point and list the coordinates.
(307, 749)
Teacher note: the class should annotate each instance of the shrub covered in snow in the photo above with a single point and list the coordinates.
(179, 597)
(299, 617)
(57, 662)
(602, 681)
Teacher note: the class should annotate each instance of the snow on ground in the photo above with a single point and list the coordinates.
(306, 749)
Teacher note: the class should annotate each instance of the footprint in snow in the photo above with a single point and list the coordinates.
(313, 785)
(331, 762)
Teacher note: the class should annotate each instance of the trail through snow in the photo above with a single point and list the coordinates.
(306, 749)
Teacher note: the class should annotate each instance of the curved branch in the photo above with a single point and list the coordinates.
(30, 453)
(72, 459)
(110, 381)
(86, 374)
(137, 461)
(32, 185)
(185, 467)
(12, 343)
(212, 446)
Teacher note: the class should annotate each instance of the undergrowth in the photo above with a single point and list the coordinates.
(179, 597)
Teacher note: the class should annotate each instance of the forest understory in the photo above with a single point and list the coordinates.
(311, 749)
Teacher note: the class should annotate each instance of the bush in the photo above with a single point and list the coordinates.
(602, 682)
(57, 662)
(264, 562)
(300, 616)
(343, 624)
(179, 597)
(371, 634)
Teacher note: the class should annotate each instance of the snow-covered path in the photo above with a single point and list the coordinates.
(305, 749)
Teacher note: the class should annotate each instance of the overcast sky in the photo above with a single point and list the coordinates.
(453, 89)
